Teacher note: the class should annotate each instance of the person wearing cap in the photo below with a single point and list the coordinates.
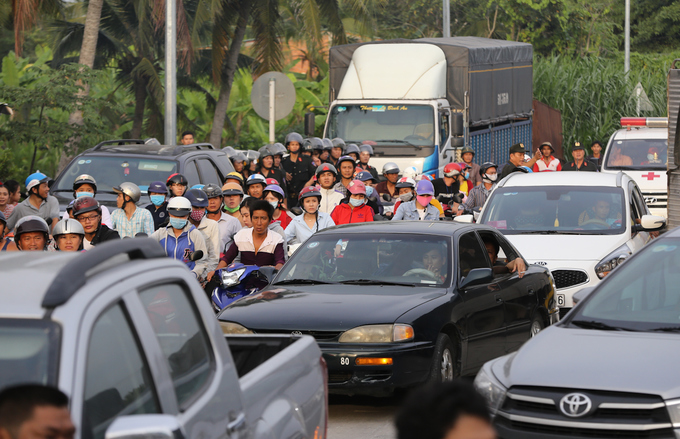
(489, 173)
(346, 167)
(128, 220)
(228, 225)
(157, 193)
(596, 156)
(208, 227)
(32, 234)
(325, 176)
(516, 160)
(274, 195)
(391, 173)
(419, 209)
(468, 154)
(180, 239)
(6, 244)
(39, 202)
(87, 211)
(580, 163)
(311, 220)
(548, 162)
(299, 169)
(365, 154)
(353, 209)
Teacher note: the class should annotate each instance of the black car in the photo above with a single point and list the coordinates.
(116, 161)
(396, 304)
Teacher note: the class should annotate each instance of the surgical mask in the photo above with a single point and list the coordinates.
(157, 200)
(369, 191)
(355, 202)
(274, 204)
(197, 215)
(84, 194)
(406, 197)
(424, 200)
(467, 175)
(651, 157)
(178, 223)
(491, 177)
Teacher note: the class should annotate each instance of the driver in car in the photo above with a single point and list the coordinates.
(598, 214)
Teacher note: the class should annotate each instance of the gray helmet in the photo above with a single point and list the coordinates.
(366, 148)
(238, 157)
(390, 168)
(467, 149)
(352, 147)
(66, 226)
(230, 151)
(266, 151)
(339, 143)
(293, 137)
(316, 143)
(129, 189)
(307, 144)
(252, 155)
(279, 149)
(212, 190)
(327, 144)
(326, 167)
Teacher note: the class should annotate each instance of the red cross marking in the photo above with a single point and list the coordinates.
(650, 176)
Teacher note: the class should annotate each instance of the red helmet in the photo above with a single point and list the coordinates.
(273, 181)
(451, 170)
(310, 191)
(85, 204)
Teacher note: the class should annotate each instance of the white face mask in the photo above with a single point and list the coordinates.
(491, 177)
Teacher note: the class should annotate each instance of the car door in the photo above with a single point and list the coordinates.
(483, 306)
(638, 208)
(191, 173)
(208, 172)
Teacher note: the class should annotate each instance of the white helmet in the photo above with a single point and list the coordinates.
(67, 226)
(411, 172)
(179, 206)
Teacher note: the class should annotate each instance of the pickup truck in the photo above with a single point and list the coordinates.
(130, 336)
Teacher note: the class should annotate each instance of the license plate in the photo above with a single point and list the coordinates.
(560, 300)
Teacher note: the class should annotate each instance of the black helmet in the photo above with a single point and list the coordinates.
(31, 223)
(212, 190)
(307, 144)
(485, 166)
(197, 198)
(266, 151)
(293, 137)
(177, 179)
(84, 179)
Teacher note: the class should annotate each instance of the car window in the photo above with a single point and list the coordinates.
(639, 201)
(638, 154)
(471, 255)
(110, 391)
(191, 173)
(208, 172)
(183, 342)
(500, 252)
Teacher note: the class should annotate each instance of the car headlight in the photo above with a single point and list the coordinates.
(673, 408)
(490, 388)
(234, 328)
(612, 260)
(231, 278)
(378, 334)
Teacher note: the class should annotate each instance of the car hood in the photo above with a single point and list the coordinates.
(326, 307)
(565, 247)
(596, 360)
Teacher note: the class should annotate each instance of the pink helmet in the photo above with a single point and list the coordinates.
(357, 187)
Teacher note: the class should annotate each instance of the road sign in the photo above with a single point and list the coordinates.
(284, 96)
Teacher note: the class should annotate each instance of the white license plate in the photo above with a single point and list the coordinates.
(560, 300)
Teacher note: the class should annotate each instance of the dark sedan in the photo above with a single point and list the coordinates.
(396, 304)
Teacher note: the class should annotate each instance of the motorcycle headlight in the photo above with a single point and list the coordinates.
(612, 260)
(234, 328)
(231, 278)
(378, 334)
(490, 388)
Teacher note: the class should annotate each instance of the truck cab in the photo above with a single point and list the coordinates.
(640, 149)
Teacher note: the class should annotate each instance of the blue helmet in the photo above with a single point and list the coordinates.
(197, 198)
(158, 187)
(35, 179)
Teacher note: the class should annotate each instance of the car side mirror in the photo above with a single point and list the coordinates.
(145, 426)
(651, 223)
(269, 272)
(464, 219)
(477, 276)
(581, 294)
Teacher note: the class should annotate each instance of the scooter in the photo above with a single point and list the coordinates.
(239, 280)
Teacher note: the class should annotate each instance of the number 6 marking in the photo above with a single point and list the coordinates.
(344, 361)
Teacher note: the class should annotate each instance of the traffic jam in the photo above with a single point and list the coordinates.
(187, 291)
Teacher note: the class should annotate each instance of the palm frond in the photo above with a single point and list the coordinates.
(265, 25)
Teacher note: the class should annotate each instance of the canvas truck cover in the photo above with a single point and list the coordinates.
(496, 74)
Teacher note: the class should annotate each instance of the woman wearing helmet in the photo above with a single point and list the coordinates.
(420, 208)
(255, 185)
(39, 202)
(325, 176)
(128, 219)
(157, 194)
(365, 154)
(407, 192)
(268, 168)
(6, 245)
(299, 169)
(275, 196)
(68, 235)
(86, 186)
(279, 152)
(88, 213)
(353, 208)
(32, 234)
(311, 221)
(464, 178)
(180, 239)
(177, 184)
(208, 227)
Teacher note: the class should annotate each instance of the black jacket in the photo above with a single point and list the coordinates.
(104, 234)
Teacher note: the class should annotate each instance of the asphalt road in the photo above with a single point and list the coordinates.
(362, 417)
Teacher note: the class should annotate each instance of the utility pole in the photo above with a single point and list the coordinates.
(626, 62)
(446, 18)
(170, 72)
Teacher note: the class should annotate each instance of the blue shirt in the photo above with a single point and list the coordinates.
(299, 230)
(140, 222)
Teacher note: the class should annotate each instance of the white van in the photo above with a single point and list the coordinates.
(580, 225)
(640, 149)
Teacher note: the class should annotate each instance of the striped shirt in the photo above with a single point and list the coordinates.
(140, 222)
(477, 197)
(269, 253)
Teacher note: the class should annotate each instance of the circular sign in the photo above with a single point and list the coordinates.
(284, 95)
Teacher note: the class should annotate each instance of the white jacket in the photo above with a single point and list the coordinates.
(329, 199)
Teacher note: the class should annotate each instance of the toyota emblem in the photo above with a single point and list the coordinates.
(575, 405)
(296, 333)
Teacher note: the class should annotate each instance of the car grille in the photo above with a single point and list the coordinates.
(656, 200)
(339, 377)
(529, 410)
(569, 278)
(318, 335)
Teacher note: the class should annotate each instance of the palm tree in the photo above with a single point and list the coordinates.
(24, 15)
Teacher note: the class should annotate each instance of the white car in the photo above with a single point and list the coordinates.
(579, 225)
(640, 149)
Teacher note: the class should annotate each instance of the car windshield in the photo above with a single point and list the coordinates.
(28, 351)
(638, 154)
(556, 210)
(111, 171)
(642, 296)
(393, 129)
(370, 259)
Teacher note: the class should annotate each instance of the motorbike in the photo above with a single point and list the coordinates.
(239, 280)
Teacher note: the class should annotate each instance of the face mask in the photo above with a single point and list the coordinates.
(369, 191)
(406, 197)
(275, 204)
(467, 175)
(356, 203)
(178, 223)
(491, 177)
(84, 194)
(651, 157)
(157, 200)
(197, 215)
(424, 200)
(230, 210)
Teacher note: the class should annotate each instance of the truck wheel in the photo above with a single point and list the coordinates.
(536, 326)
(445, 361)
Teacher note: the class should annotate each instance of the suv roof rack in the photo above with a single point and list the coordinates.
(99, 145)
(180, 148)
(73, 276)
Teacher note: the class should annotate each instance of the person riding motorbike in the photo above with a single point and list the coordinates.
(159, 206)
(274, 195)
(311, 220)
(87, 211)
(68, 235)
(353, 208)
(177, 184)
(32, 234)
(86, 186)
(420, 208)
(6, 244)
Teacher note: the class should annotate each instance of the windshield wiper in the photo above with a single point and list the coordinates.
(302, 282)
(405, 142)
(551, 232)
(667, 329)
(592, 324)
(374, 282)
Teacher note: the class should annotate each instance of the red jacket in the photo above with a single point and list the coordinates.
(344, 214)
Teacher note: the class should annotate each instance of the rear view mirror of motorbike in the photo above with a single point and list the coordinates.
(268, 272)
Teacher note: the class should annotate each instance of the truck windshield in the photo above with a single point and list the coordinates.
(556, 210)
(28, 351)
(638, 154)
(395, 130)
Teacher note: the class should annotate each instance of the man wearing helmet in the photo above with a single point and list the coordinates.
(239, 161)
(325, 176)
(128, 220)
(325, 155)
(86, 186)
(468, 154)
(232, 194)
(267, 165)
(208, 227)
(337, 151)
(391, 172)
(88, 213)
(365, 154)
(39, 202)
(32, 234)
(478, 194)
(447, 187)
(347, 167)
(177, 185)
(255, 186)
(547, 162)
(299, 169)
(311, 221)
(157, 194)
(180, 239)
(69, 235)
(227, 225)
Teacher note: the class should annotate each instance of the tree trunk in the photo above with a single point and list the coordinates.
(140, 103)
(227, 78)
